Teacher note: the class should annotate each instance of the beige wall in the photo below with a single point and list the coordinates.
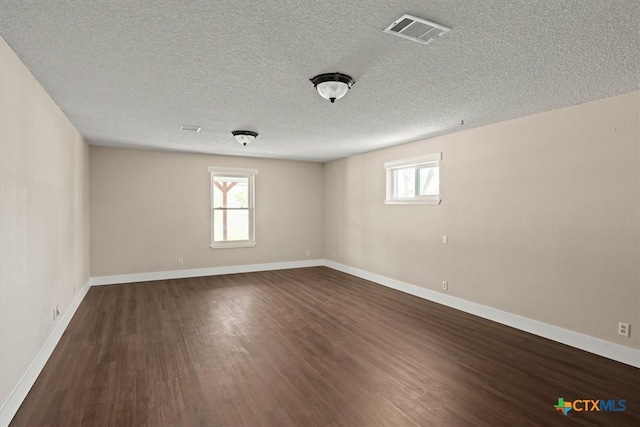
(541, 213)
(149, 208)
(44, 227)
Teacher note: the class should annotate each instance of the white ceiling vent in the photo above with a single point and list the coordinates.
(191, 128)
(416, 29)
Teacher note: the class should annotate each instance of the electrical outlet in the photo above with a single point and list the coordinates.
(445, 285)
(56, 312)
(445, 239)
(623, 329)
(333, 255)
(180, 262)
(308, 253)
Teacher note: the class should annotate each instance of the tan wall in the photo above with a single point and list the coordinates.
(44, 227)
(149, 208)
(541, 213)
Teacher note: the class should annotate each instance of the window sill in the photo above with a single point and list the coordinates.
(413, 202)
(232, 245)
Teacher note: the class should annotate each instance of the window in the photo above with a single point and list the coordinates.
(232, 207)
(414, 181)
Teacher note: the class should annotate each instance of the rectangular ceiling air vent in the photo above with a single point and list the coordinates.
(416, 29)
(191, 128)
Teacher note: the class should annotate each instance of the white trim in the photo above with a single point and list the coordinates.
(429, 158)
(20, 391)
(250, 174)
(620, 353)
(201, 272)
(617, 352)
(232, 171)
(415, 201)
(231, 244)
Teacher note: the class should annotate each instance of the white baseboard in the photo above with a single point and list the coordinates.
(20, 391)
(617, 352)
(201, 272)
(594, 345)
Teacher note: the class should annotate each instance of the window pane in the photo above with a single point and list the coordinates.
(429, 181)
(230, 225)
(404, 182)
(230, 192)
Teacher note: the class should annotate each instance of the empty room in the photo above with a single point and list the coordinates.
(329, 213)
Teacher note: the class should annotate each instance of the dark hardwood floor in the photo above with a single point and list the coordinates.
(308, 347)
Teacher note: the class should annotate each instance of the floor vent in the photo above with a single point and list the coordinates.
(416, 29)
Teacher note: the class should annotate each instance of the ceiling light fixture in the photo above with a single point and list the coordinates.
(244, 137)
(332, 86)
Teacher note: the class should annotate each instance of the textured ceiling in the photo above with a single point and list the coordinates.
(130, 73)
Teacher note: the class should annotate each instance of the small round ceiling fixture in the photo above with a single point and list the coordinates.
(332, 86)
(244, 137)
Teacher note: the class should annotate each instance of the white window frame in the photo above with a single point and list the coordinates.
(241, 173)
(428, 160)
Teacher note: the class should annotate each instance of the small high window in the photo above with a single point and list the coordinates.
(414, 181)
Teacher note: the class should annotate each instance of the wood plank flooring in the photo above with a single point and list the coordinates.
(308, 347)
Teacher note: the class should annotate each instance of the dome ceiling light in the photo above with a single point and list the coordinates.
(244, 137)
(332, 86)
